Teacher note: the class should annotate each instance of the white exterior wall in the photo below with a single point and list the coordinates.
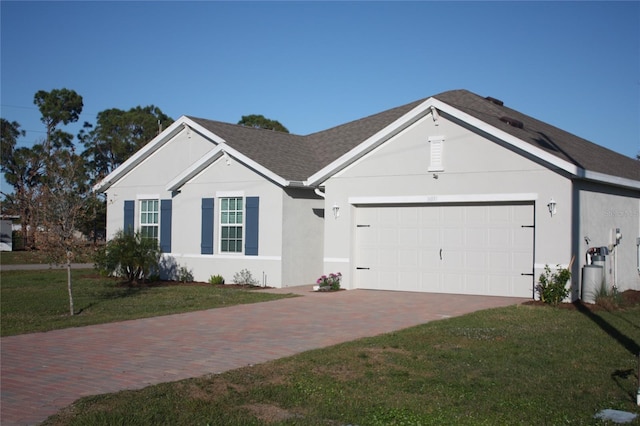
(287, 221)
(303, 237)
(218, 180)
(152, 175)
(600, 215)
(472, 165)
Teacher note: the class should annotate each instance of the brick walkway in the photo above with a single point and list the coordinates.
(44, 372)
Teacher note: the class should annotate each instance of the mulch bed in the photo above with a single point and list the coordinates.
(626, 299)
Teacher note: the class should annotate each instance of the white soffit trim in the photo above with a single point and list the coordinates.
(448, 198)
(614, 180)
(365, 147)
(181, 124)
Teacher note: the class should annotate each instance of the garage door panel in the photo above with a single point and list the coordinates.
(468, 249)
(408, 237)
(409, 259)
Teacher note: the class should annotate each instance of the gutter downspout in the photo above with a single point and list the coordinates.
(318, 192)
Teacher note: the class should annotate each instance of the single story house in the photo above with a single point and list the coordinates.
(455, 193)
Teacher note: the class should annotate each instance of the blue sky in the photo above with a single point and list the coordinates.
(314, 65)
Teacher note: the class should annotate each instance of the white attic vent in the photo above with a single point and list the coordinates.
(436, 156)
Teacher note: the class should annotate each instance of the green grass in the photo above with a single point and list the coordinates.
(516, 365)
(23, 257)
(30, 257)
(32, 301)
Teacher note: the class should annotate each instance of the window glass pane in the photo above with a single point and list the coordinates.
(231, 213)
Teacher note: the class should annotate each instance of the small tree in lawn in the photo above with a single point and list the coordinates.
(63, 205)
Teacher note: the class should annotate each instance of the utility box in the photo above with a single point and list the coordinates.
(592, 276)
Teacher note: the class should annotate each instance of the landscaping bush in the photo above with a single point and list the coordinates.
(552, 287)
(216, 280)
(129, 255)
(244, 277)
(185, 275)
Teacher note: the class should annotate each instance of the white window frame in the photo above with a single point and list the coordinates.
(222, 225)
(436, 154)
(143, 217)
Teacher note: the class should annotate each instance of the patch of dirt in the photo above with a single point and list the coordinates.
(268, 413)
(626, 299)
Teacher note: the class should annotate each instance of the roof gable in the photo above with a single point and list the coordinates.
(583, 154)
(293, 160)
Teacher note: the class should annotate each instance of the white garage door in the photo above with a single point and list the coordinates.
(464, 249)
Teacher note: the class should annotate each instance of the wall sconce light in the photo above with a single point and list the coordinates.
(552, 207)
(336, 211)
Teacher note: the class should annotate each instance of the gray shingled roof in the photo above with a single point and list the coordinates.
(295, 157)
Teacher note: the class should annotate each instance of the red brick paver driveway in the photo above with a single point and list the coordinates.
(44, 372)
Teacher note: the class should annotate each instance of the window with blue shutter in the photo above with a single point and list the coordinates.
(129, 216)
(252, 226)
(206, 238)
(165, 226)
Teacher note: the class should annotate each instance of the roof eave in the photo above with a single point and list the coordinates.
(212, 156)
(371, 143)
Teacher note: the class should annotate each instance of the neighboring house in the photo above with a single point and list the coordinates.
(6, 235)
(455, 193)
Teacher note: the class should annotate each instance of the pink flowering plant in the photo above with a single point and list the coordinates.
(330, 282)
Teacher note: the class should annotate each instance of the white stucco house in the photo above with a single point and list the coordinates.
(455, 193)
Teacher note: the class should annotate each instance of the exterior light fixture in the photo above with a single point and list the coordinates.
(336, 211)
(552, 207)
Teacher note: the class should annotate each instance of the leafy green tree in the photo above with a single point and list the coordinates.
(119, 134)
(9, 134)
(23, 170)
(129, 255)
(60, 106)
(261, 122)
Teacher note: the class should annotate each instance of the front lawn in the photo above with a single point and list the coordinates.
(32, 301)
(522, 364)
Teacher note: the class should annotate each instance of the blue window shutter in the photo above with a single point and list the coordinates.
(252, 226)
(129, 216)
(206, 239)
(165, 226)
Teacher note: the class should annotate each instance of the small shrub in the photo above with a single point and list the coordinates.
(552, 287)
(608, 298)
(129, 255)
(185, 275)
(244, 277)
(331, 282)
(216, 280)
